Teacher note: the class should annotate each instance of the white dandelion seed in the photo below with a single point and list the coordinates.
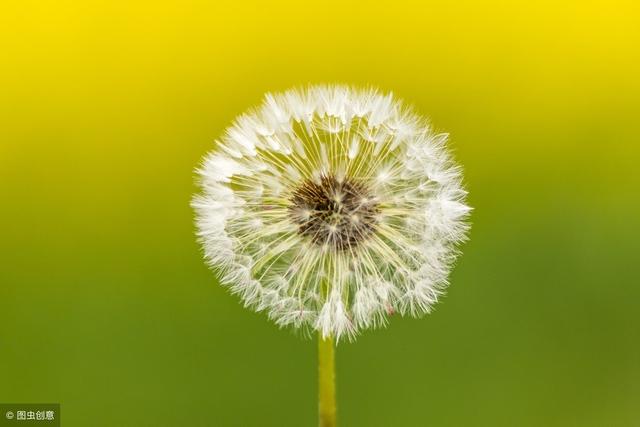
(332, 208)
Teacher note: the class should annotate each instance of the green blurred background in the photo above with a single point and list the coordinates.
(106, 306)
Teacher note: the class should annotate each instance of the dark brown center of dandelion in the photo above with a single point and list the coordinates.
(338, 213)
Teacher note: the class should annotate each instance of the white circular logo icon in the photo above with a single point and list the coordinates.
(9, 415)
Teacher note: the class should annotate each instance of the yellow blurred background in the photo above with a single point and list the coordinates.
(106, 107)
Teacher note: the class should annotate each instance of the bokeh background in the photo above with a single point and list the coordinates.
(106, 107)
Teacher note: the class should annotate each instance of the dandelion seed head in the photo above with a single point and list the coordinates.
(332, 208)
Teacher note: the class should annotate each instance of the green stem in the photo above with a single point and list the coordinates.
(326, 382)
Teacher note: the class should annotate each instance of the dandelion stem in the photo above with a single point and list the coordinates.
(326, 382)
